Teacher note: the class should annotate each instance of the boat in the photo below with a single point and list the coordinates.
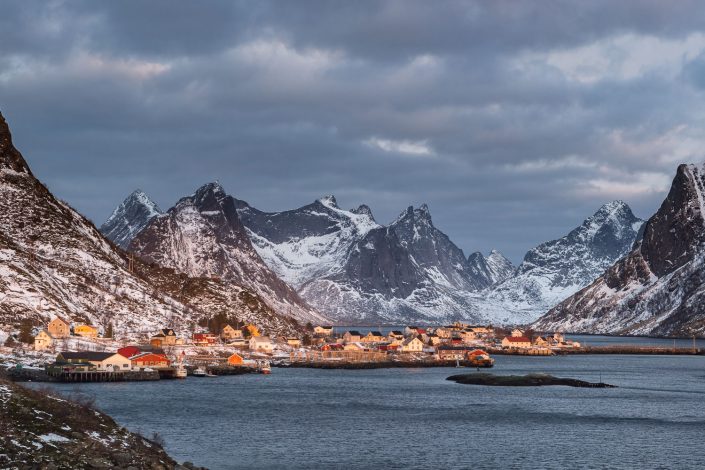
(199, 372)
(479, 358)
(265, 367)
(180, 372)
(209, 374)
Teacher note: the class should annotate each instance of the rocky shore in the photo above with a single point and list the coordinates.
(42, 430)
(530, 380)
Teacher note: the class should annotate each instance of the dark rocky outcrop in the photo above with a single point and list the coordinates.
(530, 380)
(41, 430)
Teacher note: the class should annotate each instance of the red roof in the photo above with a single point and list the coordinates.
(517, 339)
(478, 352)
(129, 351)
(150, 357)
(421, 331)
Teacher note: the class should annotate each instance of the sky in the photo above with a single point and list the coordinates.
(513, 121)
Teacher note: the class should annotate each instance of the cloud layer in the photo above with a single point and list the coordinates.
(512, 120)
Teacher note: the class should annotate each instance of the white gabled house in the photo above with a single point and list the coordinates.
(261, 344)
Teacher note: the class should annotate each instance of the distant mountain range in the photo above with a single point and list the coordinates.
(353, 270)
(53, 261)
(659, 287)
(212, 253)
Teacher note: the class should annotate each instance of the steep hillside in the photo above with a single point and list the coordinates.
(54, 261)
(659, 287)
(202, 236)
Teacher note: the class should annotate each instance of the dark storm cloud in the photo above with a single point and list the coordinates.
(513, 120)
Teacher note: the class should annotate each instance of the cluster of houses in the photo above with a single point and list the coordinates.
(58, 328)
(454, 341)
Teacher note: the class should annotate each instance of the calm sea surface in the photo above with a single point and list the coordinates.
(414, 418)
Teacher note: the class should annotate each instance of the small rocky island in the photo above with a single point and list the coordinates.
(530, 380)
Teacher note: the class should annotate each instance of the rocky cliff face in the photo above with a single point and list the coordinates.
(658, 287)
(53, 261)
(130, 218)
(203, 236)
(557, 269)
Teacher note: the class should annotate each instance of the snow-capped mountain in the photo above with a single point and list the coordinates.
(203, 236)
(493, 268)
(309, 242)
(129, 218)
(53, 261)
(659, 287)
(557, 269)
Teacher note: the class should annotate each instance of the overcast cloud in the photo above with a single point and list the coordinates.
(512, 120)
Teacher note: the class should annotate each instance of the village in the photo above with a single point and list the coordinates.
(80, 352)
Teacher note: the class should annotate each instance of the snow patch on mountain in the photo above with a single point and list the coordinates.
(129, 218)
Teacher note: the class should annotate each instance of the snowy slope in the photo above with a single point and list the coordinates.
(53, 261)
(493, 268)
(557, 269)
(203, 236)
(130, 218)
(306, 243)
(659, 287)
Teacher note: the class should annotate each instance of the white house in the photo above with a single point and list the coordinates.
(262, 344)
(323, 330)
(101, 360)
(43, 341)
(514, 342)
(517, 333)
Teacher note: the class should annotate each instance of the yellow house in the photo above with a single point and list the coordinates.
(254, 332)
(87, 331)
(413, 344)
(58, 328)
(43, 341)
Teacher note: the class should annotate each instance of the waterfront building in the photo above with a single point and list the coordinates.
(43, 341)
(150, 360)
(236, 360)
(516, 342)
(59, 328)
(106, 361)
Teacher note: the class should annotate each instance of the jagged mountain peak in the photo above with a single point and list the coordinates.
(364, 209)
(410, 214)
(129, 218)
(10, 157)
(329, 201)
(615, 216)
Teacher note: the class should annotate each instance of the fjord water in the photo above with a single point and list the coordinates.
(414, 418)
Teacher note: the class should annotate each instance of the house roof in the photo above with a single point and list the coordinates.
(354, 333)
(87, 355)
(261, 339)
(375, 333)
(517, 339)
(168, 332)
(145, 354)
(397, 333)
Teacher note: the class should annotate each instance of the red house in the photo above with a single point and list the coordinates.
(149, 359)
(204, 339)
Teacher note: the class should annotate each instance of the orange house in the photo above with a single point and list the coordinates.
(235, 360)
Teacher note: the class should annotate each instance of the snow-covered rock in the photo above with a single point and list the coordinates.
(130, 218)
(557, 269)
(659, 287)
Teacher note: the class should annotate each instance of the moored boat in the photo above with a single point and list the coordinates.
(480, 358)
(199, 372)
(265, 367)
